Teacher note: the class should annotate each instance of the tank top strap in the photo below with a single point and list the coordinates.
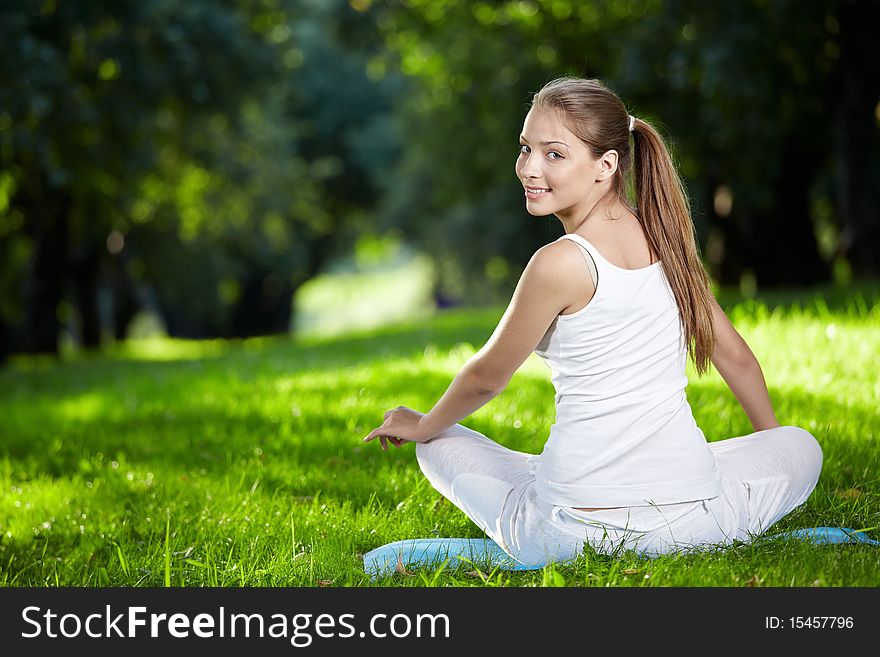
(603, 263)
(588, 255)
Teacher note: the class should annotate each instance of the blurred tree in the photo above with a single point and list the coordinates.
(209, 156)
(294, 187)
(753, 97)
(856, 130)
(755, 93)
(90, 91)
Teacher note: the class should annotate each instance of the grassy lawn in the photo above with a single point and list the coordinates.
(178, 463)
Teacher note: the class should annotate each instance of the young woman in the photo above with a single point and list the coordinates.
(614, 307)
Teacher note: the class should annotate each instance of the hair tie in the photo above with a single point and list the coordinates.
(632, 122)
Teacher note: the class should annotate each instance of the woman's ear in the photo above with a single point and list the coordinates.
(606, 165)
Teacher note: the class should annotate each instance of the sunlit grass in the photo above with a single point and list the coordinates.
(333, 304)
(240, 463)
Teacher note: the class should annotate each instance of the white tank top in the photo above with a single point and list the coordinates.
(624, 433)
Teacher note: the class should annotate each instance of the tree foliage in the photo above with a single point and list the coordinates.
(207, 158)
(204, 157)
(759, 102)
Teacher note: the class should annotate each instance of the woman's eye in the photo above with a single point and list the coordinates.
(553, 155)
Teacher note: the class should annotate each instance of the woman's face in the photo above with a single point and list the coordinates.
(556, 168)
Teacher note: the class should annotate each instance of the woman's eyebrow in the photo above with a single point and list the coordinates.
(544, 143)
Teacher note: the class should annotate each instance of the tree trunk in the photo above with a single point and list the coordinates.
(5, 347)
(785, 245)
(721, 249)
(126, 303)
(264, 307)
(857, 137)
(180, 324)
(84, 268)
(266, 303)
(46, 212)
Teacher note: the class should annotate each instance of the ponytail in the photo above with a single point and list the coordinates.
(665, 214)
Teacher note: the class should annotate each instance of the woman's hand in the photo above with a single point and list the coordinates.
(401, 426)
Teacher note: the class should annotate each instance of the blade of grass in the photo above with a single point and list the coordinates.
(167, 550)
(122, 561)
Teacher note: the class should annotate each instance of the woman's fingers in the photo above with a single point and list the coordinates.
(375, 433)
(382, 433)
(383, 439)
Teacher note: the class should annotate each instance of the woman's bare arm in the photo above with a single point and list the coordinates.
(741, 371)
(544, 289)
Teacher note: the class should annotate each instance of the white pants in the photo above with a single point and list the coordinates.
(765, 475)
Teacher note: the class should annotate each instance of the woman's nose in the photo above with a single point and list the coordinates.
(530, 167)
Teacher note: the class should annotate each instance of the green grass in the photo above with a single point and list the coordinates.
(175, 463)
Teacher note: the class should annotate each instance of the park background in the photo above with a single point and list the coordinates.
(233, 233)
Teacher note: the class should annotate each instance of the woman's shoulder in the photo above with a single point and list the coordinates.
(559, 256)
(559, 247)
(554, 267)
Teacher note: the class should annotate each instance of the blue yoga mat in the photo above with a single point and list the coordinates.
(486, 553)
(402, 555)
(820, 535)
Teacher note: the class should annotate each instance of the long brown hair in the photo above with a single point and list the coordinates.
(598, 117)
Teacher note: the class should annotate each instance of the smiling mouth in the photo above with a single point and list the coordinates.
(537, 191)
